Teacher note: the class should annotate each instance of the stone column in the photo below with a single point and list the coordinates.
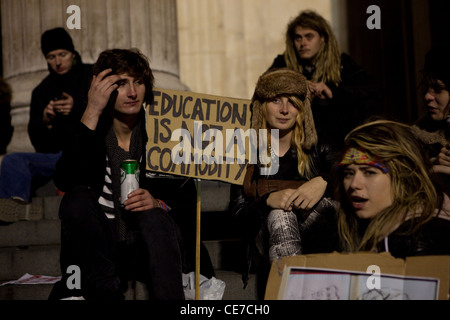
(150, 25)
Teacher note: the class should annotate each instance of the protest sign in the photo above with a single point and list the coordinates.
(198, 135)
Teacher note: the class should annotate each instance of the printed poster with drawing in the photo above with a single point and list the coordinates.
(299, 283)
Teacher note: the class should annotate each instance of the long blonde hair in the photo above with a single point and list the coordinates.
(328, 61)
(414, 193)
(298, 137)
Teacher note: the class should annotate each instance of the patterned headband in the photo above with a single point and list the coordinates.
(360, 156)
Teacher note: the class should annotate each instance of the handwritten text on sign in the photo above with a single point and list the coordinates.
(197, 135)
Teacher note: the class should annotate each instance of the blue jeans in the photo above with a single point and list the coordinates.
(18, 170)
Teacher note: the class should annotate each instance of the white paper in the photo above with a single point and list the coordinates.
(33, 279)
(300, 283)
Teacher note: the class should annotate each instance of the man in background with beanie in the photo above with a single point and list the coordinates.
(57, 104)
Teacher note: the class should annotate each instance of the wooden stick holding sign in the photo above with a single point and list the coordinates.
(200, 136)
(197, 241)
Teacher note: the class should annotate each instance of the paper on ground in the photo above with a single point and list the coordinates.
(33, 279)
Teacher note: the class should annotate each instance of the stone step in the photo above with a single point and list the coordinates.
(223, 253)
(44, 259)
(233, 289)
(214, 196)
(25, 292)
(38, 232)
(30, 233)
(35, 260)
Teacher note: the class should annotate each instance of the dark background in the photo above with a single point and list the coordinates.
(395, 54)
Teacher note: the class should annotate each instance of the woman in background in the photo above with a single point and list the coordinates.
(434, 128)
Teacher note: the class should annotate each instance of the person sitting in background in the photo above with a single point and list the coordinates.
(344, 94)
(434, 128)
(389, 200)
(285, 209)
(6, 128)
(57, 104)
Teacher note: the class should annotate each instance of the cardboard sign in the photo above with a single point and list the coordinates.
(415, 278)
(197, 135)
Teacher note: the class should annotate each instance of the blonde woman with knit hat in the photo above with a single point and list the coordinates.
(288, 211)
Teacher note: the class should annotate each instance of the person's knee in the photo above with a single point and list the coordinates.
(154, 216)
(156, 221)
(11, 160)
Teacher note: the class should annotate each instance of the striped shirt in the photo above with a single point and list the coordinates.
(106, 200)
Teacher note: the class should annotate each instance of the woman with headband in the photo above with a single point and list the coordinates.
(388, 197)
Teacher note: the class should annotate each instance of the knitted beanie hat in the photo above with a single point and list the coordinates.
(55, 39)
(277, 82)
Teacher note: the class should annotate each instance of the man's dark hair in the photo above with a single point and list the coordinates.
(127, 61)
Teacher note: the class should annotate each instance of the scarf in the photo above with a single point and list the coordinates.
(115, 157)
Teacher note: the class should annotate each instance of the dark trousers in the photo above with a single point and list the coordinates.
(88, 240)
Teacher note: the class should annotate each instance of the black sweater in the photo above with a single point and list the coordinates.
(357, 98)
(76, 83)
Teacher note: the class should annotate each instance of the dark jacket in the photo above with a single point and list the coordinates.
(355, 99)
(433, 238)
(76, 83)
(83, 163)
(6, 129)
(250, 214)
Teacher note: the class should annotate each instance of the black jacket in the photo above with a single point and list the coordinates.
(357, 98)
(433, 238)
(83, 163)
(249, 215)
(76, 83)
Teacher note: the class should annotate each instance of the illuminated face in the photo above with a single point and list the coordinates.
(61, 61)
(281, 114)
(438, 101)
(368, 189)
(130, 95)
(307, 43)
